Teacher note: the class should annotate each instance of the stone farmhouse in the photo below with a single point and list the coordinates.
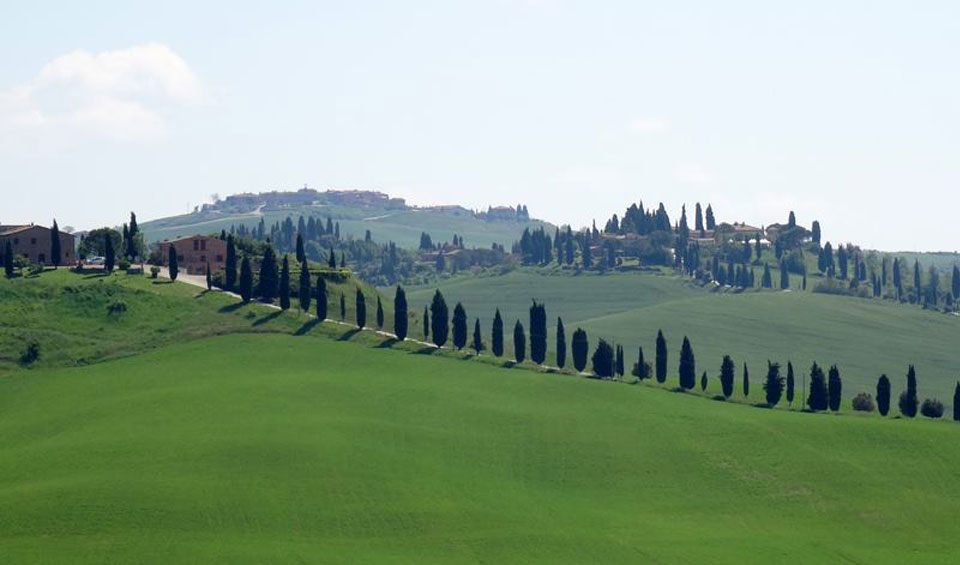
(195, 252)
(35, 242)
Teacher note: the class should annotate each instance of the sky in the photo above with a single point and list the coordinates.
(847, 112)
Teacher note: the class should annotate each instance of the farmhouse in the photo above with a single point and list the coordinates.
(34, 242)
(195, 252)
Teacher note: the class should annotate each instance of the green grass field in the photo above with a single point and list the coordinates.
(863, 337)
(269, 448)
(403, 227)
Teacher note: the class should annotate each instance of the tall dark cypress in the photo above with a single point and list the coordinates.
(790, 383)
(109, 258)
(132, 241)
(268, 275)
(172, 267)
(284, 288)
(459, 326)
(819, 398)
(955, 283)
(661, 359)
(688, 369)
(321, 298)
(55, 252)
(439, 319)
(400, 313)
(332, 259)
(209, 278)
(301, 255)
(883, 395)
(773, 386)
(426, 322)
(477, 337)
(746, 381)
(619, 361)
(908, 398)
(561, 344)
(343, 307)
(8, 260)
(784, 275)
(230, 266)
(361, 309)
(703, 382)
(519, 342)
(379, 313)
(835, 388)
(956, 403)
(305, 292)
(538, 333)
(579, 347)
(727, 375)
(496, 335)
(246, 280)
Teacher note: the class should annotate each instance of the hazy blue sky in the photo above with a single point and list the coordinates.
(846, 111)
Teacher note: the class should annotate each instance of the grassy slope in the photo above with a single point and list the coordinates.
(272, 448)
(401, 227)
(864, 337)
(67, 314)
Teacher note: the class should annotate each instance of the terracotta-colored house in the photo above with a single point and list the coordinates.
(194, 252)
(34, 242)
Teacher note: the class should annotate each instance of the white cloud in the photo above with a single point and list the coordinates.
(649, 125)
(120, 95)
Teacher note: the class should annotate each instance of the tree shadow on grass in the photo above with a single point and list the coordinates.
(387, 343)
(97, 275)
(268, 318)
(426, 350)
(348, 335)
(230, 308)
(158, 281)
(307, 326)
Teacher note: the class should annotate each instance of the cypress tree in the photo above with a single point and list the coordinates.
(579, 347)
(790, 383)
(284, 288)
(784, 275)
(55, 252)
(883, 395)
(230, 268)
(711, 222)
(379, 313)
(519, 342)
(561, 344)
(703, 382)
(727, 374)
(268, 276)
(640, 370)
(661, 359)
(496, 334)
(361, 310)
(426, 323)
(834, 388)
(321, 298)
(477, 338)
(916, 280)
(132, 237)
(538, 333)
(773, 386)
(815, 232)
(619, 360)
(108, 253)
(688, 370)
(8, 260)
(172, 267)
(819, 398)
(908, 398)
(746, 381)
(459, 326)
(587, 257)
(439, 319)
(246, 280)
(955, 283)
(209, 279)
(956, 403)
(343, 307)
(400, 313)
(603, 360)
(305, 292)
(332, 260)
(301, 255)
(767, 281)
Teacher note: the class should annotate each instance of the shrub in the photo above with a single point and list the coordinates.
(34, 269)
(154, 271)
(863, 402)
(117, 308)
(932, 408)
(30, 354)
(124, 264)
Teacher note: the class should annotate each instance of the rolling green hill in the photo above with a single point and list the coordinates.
(268, 448)
(387, 220)
(863, 337)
